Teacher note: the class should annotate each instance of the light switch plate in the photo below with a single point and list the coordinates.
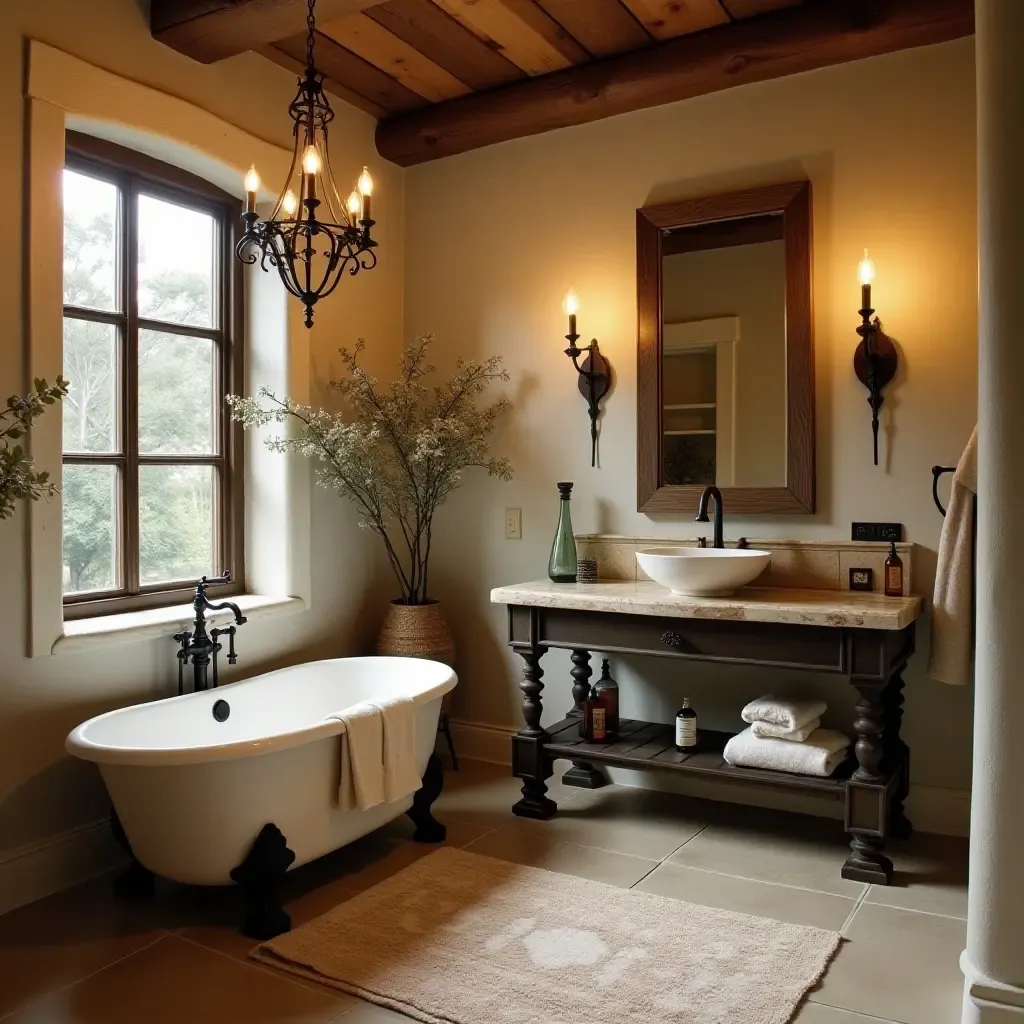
(513, 524)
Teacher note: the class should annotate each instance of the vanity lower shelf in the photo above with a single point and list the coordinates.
(651, 745)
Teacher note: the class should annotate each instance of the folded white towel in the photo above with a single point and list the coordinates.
(821, 754)
(790, 714)
(378, 753)
(362, 757)
(768, 731)
(952, 653)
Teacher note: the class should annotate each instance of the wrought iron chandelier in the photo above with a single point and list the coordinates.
(311, 254)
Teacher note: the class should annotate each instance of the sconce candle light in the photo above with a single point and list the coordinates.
(875, 360)
(594, 373)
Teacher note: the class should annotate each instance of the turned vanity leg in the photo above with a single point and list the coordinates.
(582, 773)
(529, 759)
(867, 795)
(898, 754)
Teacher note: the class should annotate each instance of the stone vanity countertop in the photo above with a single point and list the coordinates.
(749, 604)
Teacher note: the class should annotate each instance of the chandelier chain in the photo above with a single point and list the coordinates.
(310, 31)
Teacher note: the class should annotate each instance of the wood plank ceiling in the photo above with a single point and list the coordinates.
(446, 76)
(406, 54)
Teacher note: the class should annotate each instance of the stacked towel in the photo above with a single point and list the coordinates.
(785, 735)
(378, 753)
(780, 718)
(821, 754)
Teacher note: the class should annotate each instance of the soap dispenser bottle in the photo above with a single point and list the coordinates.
(562, 563)
(893, 573)
(686, 728)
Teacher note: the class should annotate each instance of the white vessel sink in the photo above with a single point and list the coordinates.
(703, 572)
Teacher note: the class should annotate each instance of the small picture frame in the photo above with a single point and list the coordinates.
(862, 579)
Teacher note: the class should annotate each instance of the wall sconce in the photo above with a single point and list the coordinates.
(595, 375)
(875, 360)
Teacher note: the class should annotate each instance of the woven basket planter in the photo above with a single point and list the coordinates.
(417, 631)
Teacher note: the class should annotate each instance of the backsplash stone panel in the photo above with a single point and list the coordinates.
(805, 564)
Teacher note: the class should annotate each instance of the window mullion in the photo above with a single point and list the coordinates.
(130, 396)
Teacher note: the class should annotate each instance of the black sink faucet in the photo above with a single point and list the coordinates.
(203, 647)
(702, 512)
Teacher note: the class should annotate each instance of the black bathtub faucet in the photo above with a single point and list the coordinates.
(202, 646)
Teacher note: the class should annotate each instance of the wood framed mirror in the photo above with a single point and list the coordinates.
(725, 352)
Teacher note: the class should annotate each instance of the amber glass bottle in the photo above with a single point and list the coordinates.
(893, 573)
(607, 691)
(595, 721)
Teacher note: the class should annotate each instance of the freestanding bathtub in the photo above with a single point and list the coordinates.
(193, 789)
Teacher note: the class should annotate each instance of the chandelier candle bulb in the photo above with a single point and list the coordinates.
(252, 186)
(354, 206)
(365, 186)
(289, 203)
(310, 169)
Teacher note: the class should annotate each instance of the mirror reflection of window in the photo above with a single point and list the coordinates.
(724, 354)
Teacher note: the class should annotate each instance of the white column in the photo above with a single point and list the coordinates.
(993, 962)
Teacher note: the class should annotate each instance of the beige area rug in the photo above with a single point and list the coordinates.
(457, 938)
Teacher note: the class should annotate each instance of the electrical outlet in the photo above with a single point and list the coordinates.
(513, 524)
(877, 531)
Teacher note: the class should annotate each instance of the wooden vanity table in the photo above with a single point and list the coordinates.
(864, 637)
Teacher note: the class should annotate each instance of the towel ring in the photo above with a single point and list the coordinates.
(938, 471)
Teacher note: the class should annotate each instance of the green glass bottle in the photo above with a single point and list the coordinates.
(562, 563)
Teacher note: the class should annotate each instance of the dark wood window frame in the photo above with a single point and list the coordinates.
(134, 174)
(793, 201)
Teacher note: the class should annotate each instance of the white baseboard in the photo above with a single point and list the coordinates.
(942, 811)
(35, 870)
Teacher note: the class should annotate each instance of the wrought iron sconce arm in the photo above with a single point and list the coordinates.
(875, 363)
(594, 381)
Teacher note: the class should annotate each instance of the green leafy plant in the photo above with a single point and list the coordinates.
(401, 454)
(18, 477)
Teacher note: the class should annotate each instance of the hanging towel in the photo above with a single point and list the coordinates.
(378, 753)
(821, 754)
(951, 655)
(766, 730)
(789, 714)
(400, 775)
(362, 757)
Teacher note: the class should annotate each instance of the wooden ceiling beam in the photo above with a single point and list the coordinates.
(785, 42)
(209, 30)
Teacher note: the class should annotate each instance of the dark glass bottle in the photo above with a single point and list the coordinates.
(562, 563)
(686, 728)
(893, 573)
(595, 721)
(607, 691)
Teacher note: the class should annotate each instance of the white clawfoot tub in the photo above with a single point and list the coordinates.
(192, 792)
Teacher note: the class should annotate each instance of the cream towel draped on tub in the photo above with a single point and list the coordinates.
(378, 753)
(952, 652)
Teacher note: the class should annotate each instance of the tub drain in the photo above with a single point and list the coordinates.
(221, 710)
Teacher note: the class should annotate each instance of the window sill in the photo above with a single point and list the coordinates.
(156, 623)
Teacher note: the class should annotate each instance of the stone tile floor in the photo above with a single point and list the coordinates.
(82, 958)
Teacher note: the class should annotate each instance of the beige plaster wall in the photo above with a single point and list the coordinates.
(43, 792)
(495, 237)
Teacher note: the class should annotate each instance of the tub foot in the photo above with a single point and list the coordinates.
(137, 882)
(428, 828)
(258, 876)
